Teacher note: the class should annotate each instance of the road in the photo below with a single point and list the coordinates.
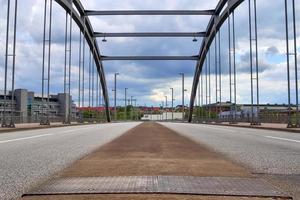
(30, 157)
(272, 154)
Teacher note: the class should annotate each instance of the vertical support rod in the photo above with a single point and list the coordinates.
(70, 69)
(43, 64)
(202, 97)
(199, 100)
(230, 67)
(257, 121)
(93, 82)
(172, 94)
(66, 52)
(115, 97)
(220, 70)
(49, 62)
(251, 60)
(183, 110)
(90, 63)
(234, 66)
(79, 70)
(296, 64)
(209, 86)
(288, 64)
(12, 124)
(216, 72)
(6, 64)
(206, 89)
(83, 64)
(125, 117)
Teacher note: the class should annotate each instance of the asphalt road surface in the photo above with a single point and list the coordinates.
(30, 157)
(272, 154)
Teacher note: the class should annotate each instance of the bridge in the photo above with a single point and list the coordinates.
(240, 128)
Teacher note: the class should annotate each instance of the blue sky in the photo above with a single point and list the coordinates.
(149, 81)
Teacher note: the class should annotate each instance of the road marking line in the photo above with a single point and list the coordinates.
(222, 129)
(25, 138)
(69, 131)
(285, 139)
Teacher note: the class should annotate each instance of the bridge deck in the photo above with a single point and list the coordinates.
(151, 151)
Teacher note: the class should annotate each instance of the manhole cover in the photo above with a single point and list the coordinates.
(225, 186)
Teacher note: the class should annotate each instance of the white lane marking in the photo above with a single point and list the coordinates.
(220, 129)
(279, 138)
(73, 130)
(25, 138)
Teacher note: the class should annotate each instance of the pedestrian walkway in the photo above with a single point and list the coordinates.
(266, 126)
(148, 160)
(31, 126)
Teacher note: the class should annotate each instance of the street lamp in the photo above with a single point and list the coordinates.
(172, 89)
(183, 90)
(116, 74)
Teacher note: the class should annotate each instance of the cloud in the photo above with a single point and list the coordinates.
(150, 81)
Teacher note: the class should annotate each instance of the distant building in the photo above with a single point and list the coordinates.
(244, 111)
(27, 107)
(162, 117)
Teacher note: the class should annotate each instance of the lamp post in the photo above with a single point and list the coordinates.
(125, 104)
(172, 89)
(115, 90)
(183, 90)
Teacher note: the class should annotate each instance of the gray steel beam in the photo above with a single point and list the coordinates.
(152, 34)
(215, 23)
(111, 58)
(148, 12)
(79, 18)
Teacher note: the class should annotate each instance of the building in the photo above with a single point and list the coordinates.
(27, 107)
(266, 112)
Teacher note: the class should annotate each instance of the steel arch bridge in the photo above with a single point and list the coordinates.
(223, 11)
(218, 16)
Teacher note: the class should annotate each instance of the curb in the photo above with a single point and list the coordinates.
(42, 127)
(257, 127)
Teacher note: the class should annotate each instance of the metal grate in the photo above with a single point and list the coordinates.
(225, 186)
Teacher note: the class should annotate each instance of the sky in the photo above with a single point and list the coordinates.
(150, 81)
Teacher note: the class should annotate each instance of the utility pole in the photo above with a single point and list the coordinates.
(125, 104)
(183, 90)
(172, 89)
(115, 90)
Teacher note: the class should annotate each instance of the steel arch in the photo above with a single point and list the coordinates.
(215, 23)
(84, 25)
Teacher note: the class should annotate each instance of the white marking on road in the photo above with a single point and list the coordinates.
(220, 129)
(285, 139)
(25, 138)
(79, 129)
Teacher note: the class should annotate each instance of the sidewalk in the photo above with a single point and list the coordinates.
(32, 126)
(266, 126)
(150, 150)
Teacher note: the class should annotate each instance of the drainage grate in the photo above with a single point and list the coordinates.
(225, 186)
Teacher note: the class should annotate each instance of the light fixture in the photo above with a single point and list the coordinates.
(104, 40)
(195, 39)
